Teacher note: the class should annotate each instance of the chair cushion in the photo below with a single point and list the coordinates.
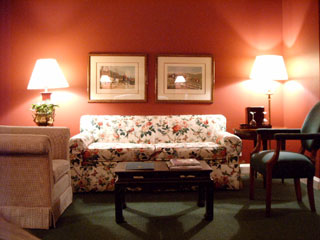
(60, 167)
(60, 187)
(289, 165)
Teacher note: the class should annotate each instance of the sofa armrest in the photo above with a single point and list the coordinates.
(78, 144)
(80, 141)
(232, 143)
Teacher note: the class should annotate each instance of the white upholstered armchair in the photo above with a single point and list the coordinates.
(35, 184)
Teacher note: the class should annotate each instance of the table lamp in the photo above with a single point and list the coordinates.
(268, 68)
(46, 75)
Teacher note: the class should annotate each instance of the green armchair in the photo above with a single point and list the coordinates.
(283, 164)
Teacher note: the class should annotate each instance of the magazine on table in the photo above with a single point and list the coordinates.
(184, 162)
(191, 167)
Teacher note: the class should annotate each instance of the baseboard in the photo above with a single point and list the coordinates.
(245, 170)
(316, 182)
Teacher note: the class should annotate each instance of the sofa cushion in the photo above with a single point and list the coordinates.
(153, 128)
(188, 128)
(198, 150)
(120, 151)
(60, 167)
(118, 129)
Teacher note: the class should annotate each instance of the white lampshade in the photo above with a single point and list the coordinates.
(269, 67)
(47, 74)
(180, 79)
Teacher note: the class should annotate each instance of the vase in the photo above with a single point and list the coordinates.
(43, 119)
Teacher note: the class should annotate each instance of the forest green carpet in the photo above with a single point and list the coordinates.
(175, 215)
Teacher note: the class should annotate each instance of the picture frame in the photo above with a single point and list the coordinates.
(117, 77)
(197, 83)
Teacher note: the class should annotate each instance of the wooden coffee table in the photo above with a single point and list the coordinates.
(161, 176)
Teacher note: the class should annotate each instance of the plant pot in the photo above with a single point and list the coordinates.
(43, 119)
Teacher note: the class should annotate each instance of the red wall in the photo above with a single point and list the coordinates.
(301, 50)
(234, 32)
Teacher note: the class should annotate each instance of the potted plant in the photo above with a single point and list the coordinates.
(43, 113)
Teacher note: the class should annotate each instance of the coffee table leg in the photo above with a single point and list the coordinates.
(209, 202)
(123, 194)
(118, 200)
(201, 196)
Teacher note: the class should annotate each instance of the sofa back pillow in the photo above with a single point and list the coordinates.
(153, 128)
(116, 128)
(188, 128)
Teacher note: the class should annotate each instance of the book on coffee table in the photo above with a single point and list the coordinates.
(140, 166)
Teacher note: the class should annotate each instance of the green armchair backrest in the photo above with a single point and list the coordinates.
(312, 125)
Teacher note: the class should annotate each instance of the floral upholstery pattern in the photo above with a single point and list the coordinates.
(198, 150)
(105, 140)
(118, 152)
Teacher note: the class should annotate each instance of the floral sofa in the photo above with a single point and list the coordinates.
(105, 140)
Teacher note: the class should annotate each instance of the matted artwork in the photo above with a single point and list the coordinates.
(187, 79)
(117, 78)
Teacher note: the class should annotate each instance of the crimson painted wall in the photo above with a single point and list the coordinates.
(234, 32)
(301, 51)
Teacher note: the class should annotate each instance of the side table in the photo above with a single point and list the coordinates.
(251, 134)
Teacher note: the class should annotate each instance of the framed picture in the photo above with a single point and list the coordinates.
(185, 79)
(117, 77)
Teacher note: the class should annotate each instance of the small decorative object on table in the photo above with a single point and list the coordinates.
(255, 118)
(44, 113)
(265, 121)
(253, 123)
(184, 164)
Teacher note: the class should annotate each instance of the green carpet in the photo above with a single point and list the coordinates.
(175, 215)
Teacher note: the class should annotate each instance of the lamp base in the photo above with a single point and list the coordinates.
(46, 96)
(269, 93)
